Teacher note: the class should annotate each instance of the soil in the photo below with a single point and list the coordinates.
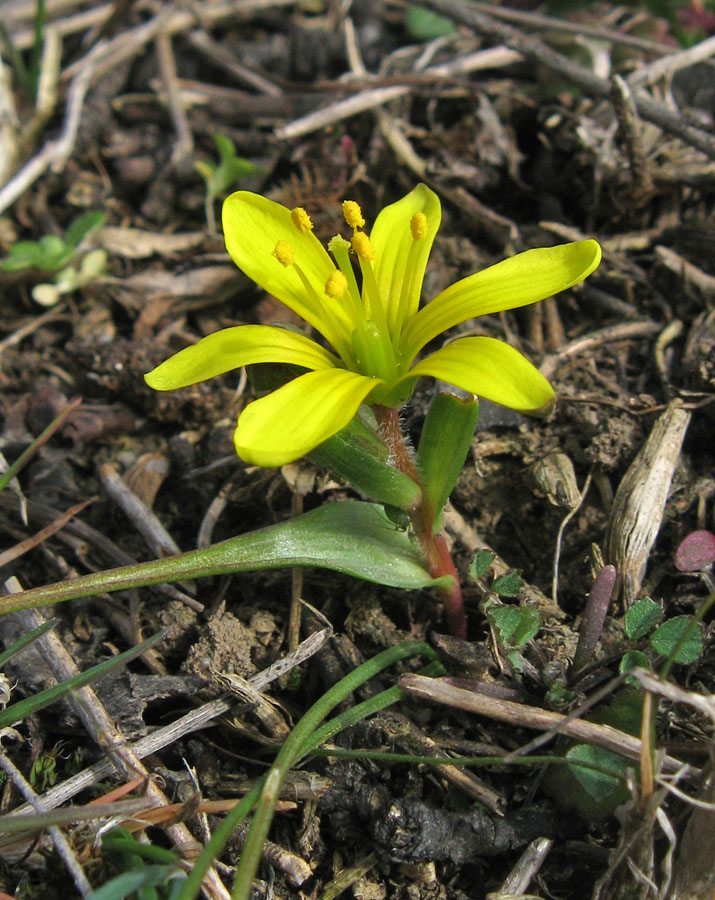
(521, 156)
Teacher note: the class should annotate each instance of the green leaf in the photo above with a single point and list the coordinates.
(641, 617)
(229, 169)
(445, 441)
(424, 25)
(598, 785)
(507, 585)
(357, 455)
(26, 639)
(634, 659)
(82, 226)
(681, 636)
(54, 253)
(529, 625)
(128, 882)
(505, 621)
(514, 626)
(119, 841)
(516, 659)
(481, 561)
(352, 537)
(22, 255)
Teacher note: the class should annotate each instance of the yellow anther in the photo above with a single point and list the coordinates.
(336, 286)
(363, 246)
(301, 219)
(353, 214)
(338, 242)
(284, 253)
(418, 226)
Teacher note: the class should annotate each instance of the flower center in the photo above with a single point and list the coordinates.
(369, 345)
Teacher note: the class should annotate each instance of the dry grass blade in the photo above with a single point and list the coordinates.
(640, 500)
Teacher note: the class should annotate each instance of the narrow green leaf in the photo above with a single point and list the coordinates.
(641, 617)
(445, 441)
(128, 882)
(26, 639)
(353, 537)
(84, 225)
(680, 637)
(18, 711)
(121, 842)
(305, 736)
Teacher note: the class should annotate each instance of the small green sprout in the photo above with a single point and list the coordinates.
(43, 774)
(70, 279)
(145, 870)
(51, 253)
(680, 637)
(512, 626)
(220, 178)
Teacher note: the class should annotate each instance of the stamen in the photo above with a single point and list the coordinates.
(336, 286)
(339, 339)
(353, 214)
(337, 242)
(301, 219)
(418, 226)
(284, 253)
(362, 245)
(340, 248)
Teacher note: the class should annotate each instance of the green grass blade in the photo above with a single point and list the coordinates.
(24, 708)
(25, 641)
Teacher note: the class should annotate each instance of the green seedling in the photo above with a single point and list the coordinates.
(221, 177)
(91, 266)
(51, 252)
(679, 639)
(145, 870)
(43, 774)
(512, 626)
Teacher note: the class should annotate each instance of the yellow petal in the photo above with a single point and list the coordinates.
(252, 227)
(293, 420)
(492, 369)
(232, 348)
(392, 238)
(519, 281)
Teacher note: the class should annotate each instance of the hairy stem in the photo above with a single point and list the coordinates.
(434, 546)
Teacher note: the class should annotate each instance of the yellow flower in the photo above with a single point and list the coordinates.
(376, 331)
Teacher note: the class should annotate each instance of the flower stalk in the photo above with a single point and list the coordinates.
(438, 560)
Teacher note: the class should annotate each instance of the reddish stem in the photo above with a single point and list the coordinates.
(434, 546)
